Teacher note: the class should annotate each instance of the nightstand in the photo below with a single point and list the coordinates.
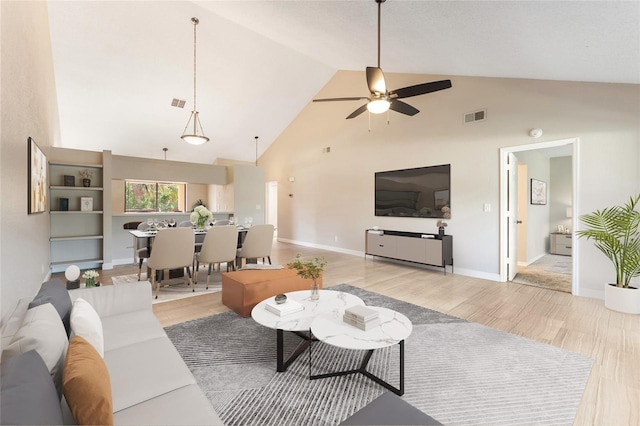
(560, 243)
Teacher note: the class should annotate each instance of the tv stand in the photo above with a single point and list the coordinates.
(416, 247)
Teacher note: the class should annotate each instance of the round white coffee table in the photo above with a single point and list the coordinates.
(330, 301)
(394, 328)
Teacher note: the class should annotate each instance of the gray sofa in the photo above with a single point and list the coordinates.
(150, 382)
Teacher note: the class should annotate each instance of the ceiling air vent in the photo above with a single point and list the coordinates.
(475, 116)
(178, 103)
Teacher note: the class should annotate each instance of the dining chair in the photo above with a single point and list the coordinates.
(219, 247)
(173, 248)
(257, 244)
(131, 225)
(142, 247)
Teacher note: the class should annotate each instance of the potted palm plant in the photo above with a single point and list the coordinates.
(614, 231)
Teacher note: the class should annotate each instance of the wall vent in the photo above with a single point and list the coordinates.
(178, 103)
(475, 116)
(326, 150)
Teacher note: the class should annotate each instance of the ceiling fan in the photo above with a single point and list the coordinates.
(382, 100)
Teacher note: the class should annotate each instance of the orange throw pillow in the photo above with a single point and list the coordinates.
(86, 384)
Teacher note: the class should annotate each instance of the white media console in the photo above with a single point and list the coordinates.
(428, 249)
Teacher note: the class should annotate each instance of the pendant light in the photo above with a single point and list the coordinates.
(194, 138)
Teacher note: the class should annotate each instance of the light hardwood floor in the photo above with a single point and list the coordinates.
(583, 325)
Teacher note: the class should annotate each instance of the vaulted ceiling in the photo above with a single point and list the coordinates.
(119, 64)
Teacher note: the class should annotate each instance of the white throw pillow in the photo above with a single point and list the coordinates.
(12, 322)
(86, 323)
(42, 330)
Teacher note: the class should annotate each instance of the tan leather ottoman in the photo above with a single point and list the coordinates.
(244, 289)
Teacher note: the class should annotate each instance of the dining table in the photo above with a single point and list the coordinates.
(150, 235)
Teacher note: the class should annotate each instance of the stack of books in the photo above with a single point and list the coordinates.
(286, 308)
(362, 317)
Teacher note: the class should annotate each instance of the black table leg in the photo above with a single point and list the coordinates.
(282, 365)
(280, 349)
(363, 370)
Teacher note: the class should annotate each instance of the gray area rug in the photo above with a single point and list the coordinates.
(551, 271)
(177, 288)
(459, 373)
(556, 263)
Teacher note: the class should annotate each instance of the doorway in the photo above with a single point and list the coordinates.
(538, 228)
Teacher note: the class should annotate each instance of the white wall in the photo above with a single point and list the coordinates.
(333, 193)
(249, 193)
(538, 167)
(560, 194)
(28, 108)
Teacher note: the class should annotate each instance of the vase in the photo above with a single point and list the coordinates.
(315, 291)
(201, 222)
(441, 232)
(86, 183)
(91, 282)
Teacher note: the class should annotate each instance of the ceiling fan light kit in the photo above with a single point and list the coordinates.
(381, 100)
(197, 137)
(378, 106)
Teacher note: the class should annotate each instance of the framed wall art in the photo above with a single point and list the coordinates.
(37, 178)
(538, 192)
(86, 204)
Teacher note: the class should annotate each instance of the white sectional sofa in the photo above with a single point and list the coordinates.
(150, 382)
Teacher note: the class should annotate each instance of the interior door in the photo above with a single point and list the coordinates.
(512, 216)
(523, 186)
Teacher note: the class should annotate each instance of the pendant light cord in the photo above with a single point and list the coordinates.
(195, 24)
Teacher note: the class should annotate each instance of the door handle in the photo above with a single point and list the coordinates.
(518, 221)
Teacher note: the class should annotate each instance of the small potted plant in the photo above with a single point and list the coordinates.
(614, 231)
(441, 225)
(90, 278)
(86, 176)
(310, 269)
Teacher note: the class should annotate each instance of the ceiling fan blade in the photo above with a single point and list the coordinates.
(375, 80)
(358, 98)
(420, 89)
(357, 112)
(403, 108)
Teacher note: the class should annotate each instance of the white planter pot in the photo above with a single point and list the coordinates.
(621, 299)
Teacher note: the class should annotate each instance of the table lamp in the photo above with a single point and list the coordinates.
(72, 274)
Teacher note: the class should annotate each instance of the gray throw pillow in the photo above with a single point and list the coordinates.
(55, 292)
(28, 395)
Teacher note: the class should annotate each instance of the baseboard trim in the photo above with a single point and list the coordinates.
(322, 247)
(460, 271)
(593, 294)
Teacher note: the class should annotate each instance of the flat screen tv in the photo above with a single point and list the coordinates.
(420, 192)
